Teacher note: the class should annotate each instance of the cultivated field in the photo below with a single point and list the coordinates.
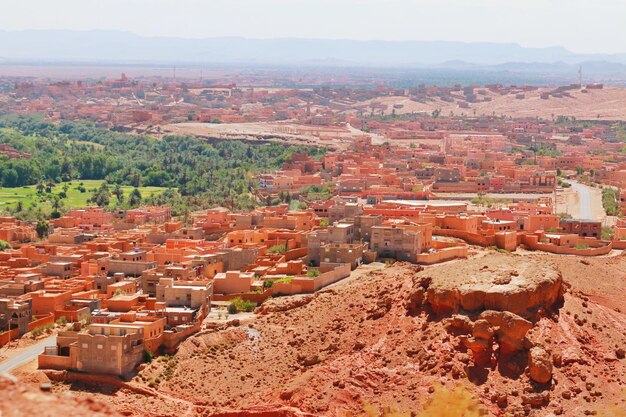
(9, 197)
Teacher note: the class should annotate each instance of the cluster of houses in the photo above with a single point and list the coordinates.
(143, 281)
(161, 100)
(140, 280)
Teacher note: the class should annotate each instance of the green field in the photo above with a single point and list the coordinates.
(9, 197)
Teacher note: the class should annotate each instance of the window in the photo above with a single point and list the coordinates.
(99, 346)
(113, 347)
(84, 345)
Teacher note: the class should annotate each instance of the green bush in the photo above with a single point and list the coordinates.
(285, 280)
(607, 233)
(148, 356)
(277, 249)
(38, 331)
(312, 273)
(238, 304)
(610, 201)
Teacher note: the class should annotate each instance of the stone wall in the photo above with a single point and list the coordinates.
(442, 255)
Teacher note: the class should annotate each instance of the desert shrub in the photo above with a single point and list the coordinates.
(312, 273)
(610, 201)
(277, 249)
(37, 331)
(238, 304)
(148, 356)
(607, 233)
(40, 330)
(232, 308)
(284, 280)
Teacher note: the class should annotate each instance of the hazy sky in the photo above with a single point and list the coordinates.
(579, 25)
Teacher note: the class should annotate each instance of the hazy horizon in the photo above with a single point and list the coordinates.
(581, 26)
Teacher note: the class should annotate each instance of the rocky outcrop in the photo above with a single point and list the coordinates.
(539, 365)
(285, 304)
(509, 330)
(417, 294)
(499, 283)
(22, 400)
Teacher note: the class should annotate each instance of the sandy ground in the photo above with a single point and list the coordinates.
(274, 131)
(608, 103)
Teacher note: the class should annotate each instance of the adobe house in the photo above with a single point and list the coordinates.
(113, 349)
(147, 214)
(498, 225)
(581, 227)
(343, 253)
(534, 222)
(342, 210)
(363, 226)
(46, 302)
(233, 282)
(131, 263)
(401, 242)
(192, 294)
(15, 314)
(337, 233)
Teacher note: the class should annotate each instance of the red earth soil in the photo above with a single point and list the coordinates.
(375, 339)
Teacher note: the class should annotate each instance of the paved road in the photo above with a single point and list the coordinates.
(26, 355)
(584, 200)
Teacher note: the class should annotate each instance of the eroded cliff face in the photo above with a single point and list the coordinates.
(523, 286)
(501, 325)
(490, 303)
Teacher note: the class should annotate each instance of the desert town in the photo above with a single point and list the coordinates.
(427, 212)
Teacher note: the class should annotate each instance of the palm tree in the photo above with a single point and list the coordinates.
(49, 185)
(119, 193)
(135, 197)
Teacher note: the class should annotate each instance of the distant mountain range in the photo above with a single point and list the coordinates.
(124, 47)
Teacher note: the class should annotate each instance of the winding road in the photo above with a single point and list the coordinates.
(584, 202)
(26, 355)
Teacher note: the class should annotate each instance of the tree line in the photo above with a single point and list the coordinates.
(199, 174)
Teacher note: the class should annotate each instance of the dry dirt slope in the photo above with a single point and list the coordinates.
(605, 104)
(367, 341)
